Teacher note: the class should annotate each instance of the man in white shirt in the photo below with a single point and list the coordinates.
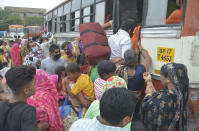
(120, 43)
(45, 44)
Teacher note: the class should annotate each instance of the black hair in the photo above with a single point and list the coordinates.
(73, 68)
(19, 76)
(130, 58)
(116, 104)
(53, 47)
(35, 38)
(65, 44)
(18, 41)
(28, 45)
(105, 67)
(1, 51)
(128, 25)
(5, 64)
(1, 42)
(164, 72)
(42, 39)
(137, 126)
(11, 42)
(59, 71)
(81, 59)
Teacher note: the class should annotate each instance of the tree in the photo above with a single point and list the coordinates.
(6, 19)
(14, 20)
(3, 19)
(33, 20)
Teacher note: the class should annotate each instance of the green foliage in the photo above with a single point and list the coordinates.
(33, 20)
(14, 20)
(6, 19)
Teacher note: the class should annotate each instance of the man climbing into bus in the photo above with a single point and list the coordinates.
(120, 42)
(176, 16)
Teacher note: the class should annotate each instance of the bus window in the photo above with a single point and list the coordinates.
(66, 19)
(174, 12)
(63, 24)
(67, 8)
(76, 5)
(98, 1)
(67, 22)
(109, 10)
(87, 2)
(75, 20)
(55, 25)
(100, 12)
(87, 14)
(163, 12)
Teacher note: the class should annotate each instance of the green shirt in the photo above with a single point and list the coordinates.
(94, 110)
(94, 74)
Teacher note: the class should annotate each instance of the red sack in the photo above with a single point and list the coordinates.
(95, 42)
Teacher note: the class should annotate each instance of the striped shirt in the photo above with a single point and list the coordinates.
(98, 86)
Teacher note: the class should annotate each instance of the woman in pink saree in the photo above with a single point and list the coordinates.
(45, 101)
(15, 55)
(60, 87)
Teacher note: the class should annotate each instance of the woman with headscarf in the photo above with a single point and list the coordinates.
(165, 110)
(45, 101)
(113, 82)
(15, 55)
(131, 72)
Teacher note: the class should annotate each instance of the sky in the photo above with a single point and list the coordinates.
(46, 4)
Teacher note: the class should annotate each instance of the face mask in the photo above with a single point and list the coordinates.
(35, 49)
(57, 56)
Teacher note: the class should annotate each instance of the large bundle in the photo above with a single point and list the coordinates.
(95, 43)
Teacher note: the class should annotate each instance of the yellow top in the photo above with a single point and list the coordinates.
(69, 60)
(2, 59)
(84, 85)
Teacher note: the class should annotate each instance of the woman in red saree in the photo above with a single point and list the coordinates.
(15, 55)
(45, 101)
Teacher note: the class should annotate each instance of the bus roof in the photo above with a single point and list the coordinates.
(16, 26)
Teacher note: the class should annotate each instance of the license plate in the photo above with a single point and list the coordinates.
(165, 54)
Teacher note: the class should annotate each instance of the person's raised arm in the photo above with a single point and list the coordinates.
(149, 88)
(147, 59)
(51, 38)
(107, 25)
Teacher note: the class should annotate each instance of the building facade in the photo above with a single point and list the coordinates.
(23, 12)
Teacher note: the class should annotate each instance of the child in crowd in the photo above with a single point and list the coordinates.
(106, 70)
(60, 72)
(83, 89)
(81, 60)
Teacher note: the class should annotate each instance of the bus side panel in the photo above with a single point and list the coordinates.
(154, 45)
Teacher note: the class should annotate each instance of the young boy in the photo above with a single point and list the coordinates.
(83, 88)
(17, 115)
(106, 69)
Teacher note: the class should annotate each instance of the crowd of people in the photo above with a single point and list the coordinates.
(53, 87)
